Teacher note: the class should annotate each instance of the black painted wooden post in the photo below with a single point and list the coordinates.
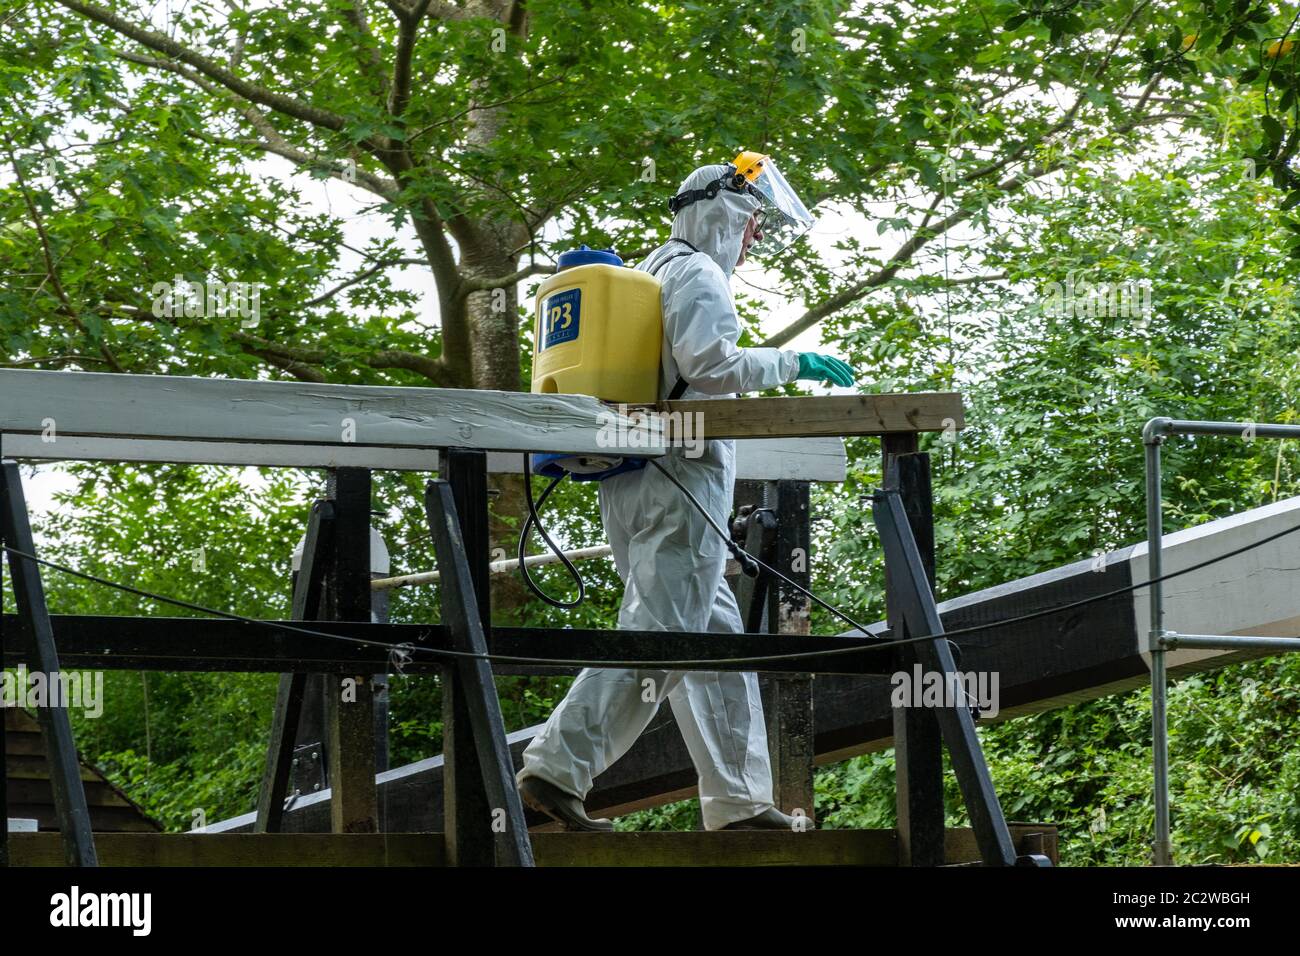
(751, 593)
(915, 604)
(790, 717)
(379, 615)
(465, 802)
(918, 744)
(780, 534)
(310, 755)
(308, 586)
(56, 729)
(483, 814)
(350, 737)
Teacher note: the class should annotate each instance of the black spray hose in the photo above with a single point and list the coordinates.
(749, 564)
(736, 550)
(533, 519)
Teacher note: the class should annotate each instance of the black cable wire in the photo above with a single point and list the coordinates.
(438, 652)
(1032, 615)
(738, 551)
(533, 519)
(877, 645)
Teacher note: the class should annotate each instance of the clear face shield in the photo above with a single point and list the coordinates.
(783, 217)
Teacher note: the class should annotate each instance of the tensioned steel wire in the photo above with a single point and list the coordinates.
(882, 645)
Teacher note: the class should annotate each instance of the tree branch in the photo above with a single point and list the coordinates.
(298, 370)
(497, 282)
(52, 272)
(921, 236)
(406, 35)
(164, 44)
(304, 358)
(371, 60)
(361, 277)
(1009, 186)
(273, 141)
(59, 361)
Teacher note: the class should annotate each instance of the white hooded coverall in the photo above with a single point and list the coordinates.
(670, 561)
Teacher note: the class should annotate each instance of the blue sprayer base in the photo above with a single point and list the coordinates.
(547, 467)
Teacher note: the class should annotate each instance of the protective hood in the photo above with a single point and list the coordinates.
(715, 226)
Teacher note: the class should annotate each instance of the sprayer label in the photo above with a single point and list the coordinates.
(560, 314)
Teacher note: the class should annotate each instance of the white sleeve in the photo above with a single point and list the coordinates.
(702, 329)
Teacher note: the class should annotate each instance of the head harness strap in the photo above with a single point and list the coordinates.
(732, 180)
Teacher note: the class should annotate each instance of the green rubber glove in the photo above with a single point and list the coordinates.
(824, 368)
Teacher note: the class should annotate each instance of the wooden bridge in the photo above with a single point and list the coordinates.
(352, 430)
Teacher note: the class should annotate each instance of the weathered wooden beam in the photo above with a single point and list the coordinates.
(910, 589)
(873, 847)
(110, 642)
(67, 404)
(790, 715)
(918, 745)
(56, 405)
(466, 809)
(495, 811)
(722, 847)
(802, 459)
(201, 848)
(808, 416)
(4, 719)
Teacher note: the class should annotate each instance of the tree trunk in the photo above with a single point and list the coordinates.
(489, 248)
(492, 316)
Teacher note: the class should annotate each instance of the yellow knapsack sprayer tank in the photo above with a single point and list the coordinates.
(598, 327)
(598, 330)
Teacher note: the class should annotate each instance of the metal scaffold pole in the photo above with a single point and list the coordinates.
(1152, 439)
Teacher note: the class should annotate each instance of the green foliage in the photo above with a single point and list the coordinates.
(681, 815)
(1042, 148)
(1049, 471)
(177, 742)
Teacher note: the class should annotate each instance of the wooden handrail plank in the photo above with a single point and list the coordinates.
(765, 459)
(813, 415)
(171, 408)
(91, 404)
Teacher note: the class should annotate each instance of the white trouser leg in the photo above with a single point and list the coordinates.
(597, 722)
(671, 564)
(720, 715)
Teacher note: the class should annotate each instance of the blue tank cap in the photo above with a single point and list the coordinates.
(586, 256)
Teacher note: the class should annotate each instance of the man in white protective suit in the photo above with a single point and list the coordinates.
(670, 560)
